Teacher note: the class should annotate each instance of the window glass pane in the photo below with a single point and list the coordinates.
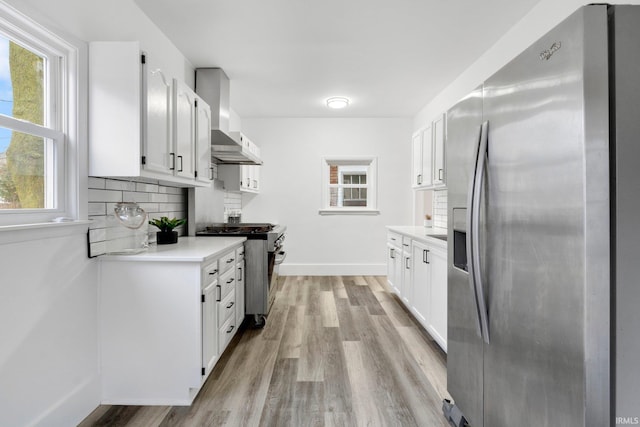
(363, 179)
(346, 179)
(21, 84)
(333, 197)
(22, 171)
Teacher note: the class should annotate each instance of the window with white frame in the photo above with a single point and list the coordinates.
(36, 85)
(349, 185)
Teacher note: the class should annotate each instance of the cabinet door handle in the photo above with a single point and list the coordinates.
(172, 161)
(240, 274)
(211, 174)
(230, 304)
(219, 298)
(391, 255)
(425, 256)
(419, 179)
(180, 157)
(230, 329)
(440, 174)
(406, 263)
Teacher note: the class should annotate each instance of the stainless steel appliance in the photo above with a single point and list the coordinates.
(263, 254)
(543, 193)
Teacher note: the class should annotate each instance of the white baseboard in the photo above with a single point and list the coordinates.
(333, 270)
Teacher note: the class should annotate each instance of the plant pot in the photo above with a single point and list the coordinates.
(166, 237)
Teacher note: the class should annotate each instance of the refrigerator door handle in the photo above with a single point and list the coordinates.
(481, 165)
(469, 236)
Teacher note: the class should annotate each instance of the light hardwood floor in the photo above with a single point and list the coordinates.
(336, 351)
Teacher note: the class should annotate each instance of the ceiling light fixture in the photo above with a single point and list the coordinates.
(337, 102)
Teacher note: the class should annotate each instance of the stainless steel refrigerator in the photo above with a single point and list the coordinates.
(544, 229)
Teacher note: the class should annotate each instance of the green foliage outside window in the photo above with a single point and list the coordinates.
(22, 177)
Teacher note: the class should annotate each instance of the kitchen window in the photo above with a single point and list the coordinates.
(37, 98)
(349, 185)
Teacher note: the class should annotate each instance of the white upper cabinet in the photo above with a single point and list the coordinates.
(416, 158)
(184, 129)
(140, 119)
(428, 151)
(422, 154)
(204, 170)
(158, 140)
(438, 151)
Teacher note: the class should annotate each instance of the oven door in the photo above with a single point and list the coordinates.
(275, 259)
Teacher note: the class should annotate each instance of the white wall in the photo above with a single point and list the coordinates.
(291, 190)
(49, 355)
(543, 17)
(112, 20)
(48, 323)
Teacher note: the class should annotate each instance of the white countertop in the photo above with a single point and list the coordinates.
(420, 233)
(190, 249)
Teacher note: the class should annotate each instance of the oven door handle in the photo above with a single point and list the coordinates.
(280, 257)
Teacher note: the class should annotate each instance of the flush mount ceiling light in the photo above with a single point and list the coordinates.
(337, 102)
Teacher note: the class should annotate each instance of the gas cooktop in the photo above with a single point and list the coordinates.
(241, 228)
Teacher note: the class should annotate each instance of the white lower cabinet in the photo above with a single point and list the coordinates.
(164, 326)
(429, 284)
(240, 291)
(417, 273)
(394, 262)
(437, 320)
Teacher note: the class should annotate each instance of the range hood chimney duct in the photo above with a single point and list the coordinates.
(212, 85)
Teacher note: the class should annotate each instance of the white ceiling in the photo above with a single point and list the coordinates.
(285, 57)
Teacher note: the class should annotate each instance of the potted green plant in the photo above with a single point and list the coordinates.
(166, 235)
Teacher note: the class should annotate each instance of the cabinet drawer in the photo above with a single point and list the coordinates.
(239, 254)
(227, 282)
(226, 332)
(226, 308)
(209, 273)
(406, 244)
(394, 239)
(227, 261)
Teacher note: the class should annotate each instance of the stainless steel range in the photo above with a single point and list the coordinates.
(263, 254)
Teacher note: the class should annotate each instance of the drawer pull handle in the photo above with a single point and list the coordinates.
(230, 260)
(230, 280)
(211, 273)
(230, 329)
(230, 304)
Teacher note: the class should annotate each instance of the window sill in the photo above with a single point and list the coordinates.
(42, 230)
(349, 211)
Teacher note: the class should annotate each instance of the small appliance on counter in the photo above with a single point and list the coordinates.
(127, 229)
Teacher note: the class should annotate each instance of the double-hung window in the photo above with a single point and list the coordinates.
(35, 84)
(349, 185)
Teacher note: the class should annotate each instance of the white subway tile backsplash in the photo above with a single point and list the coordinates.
(160, 198)
(148, 188)
(137, 197)
(98, 183)
(112, 184)
(105, 195)
(440, 208)
(97, 208)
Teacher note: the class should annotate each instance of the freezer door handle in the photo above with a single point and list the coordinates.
(469, 236)
(475, 272)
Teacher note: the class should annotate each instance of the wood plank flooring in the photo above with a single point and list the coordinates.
(336, 351)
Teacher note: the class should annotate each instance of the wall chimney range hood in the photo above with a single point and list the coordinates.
(212, 85)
